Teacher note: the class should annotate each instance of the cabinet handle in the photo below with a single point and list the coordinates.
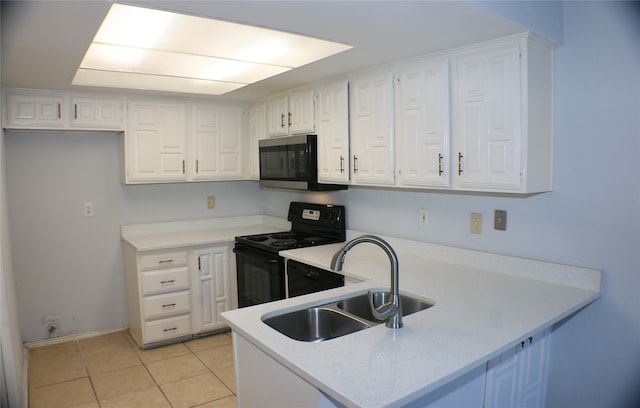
(169, 305)
(171, 329)
(460, 164)
(183, 167)
(167, 281)
(197, 166)
(282, 120)
(341, 164)
(59, 112)
(355, 164)
(165, 261)
(440, 164)
(75, 111)
(289, 119)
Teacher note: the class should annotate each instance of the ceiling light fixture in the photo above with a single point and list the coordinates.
(139, 48)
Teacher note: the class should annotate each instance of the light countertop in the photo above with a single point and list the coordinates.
(148, 237)
(484, 304)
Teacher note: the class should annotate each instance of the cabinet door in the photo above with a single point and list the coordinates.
(332, 116)
(371, 111)
(216, 152)
(301, 112)
(155, 142)
(487, 108)
(257, 130)
(95, 112)
(518, 377)
(213, 287)
(35, 110)
(278, 116)
(422, 124)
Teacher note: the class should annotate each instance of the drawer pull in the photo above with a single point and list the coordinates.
(169, 305)
(165, 261)
(168, 281)
(171, 329)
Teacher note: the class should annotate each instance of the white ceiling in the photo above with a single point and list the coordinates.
(43, 42)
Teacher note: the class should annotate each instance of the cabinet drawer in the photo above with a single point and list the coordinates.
(163, 260)
(167, 280)
(169, 328)
(166, 305)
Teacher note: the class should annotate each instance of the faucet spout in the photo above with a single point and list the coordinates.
(392, 310)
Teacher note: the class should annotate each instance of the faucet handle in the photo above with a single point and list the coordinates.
(390, 311)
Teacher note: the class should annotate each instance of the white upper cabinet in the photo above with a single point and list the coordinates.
(503, 117)
(301, 110)
(332, 128)
(291, 113)
(371, 122)
(35, 109)
(155, 141)
(216, 148)
(42, 109)
(96, 112)
(422, 123)
(257, 130)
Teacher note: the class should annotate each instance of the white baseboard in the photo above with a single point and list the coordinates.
(63, 339)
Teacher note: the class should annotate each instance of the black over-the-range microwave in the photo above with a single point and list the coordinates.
(292, 163)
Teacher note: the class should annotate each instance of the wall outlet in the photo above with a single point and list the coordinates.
(500, 220)
(88, 209)
(424, 217)
(211, 202)
(476, 223)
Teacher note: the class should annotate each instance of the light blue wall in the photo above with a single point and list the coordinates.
(592, 218)
(542, 16)
(70, 265)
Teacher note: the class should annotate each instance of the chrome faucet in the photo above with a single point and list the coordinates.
(392, 310)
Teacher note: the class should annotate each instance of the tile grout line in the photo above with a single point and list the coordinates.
(83, 353)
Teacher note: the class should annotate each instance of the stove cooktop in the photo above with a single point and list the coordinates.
(284, 240)
(311, 225)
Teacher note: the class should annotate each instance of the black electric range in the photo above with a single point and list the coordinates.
(311, 225)
(261, 271)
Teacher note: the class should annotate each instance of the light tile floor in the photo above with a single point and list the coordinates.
(110, 371)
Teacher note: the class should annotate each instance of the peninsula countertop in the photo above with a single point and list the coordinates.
(484, 304)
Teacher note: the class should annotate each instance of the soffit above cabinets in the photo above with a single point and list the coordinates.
(43, 42)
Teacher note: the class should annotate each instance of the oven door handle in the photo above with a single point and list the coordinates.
(270, 258)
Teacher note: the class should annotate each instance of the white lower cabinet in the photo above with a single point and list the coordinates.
(212, 287)
(177, 293)
(264, 382)
(516, 378)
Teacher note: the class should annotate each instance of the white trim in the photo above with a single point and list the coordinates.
(56, 340)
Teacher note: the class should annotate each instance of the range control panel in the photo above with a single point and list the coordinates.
(316, 216)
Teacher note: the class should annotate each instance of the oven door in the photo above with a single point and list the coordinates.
(260, 276)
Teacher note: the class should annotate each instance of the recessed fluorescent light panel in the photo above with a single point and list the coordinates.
(139, 48)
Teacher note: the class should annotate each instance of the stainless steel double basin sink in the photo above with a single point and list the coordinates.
(338, 318)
